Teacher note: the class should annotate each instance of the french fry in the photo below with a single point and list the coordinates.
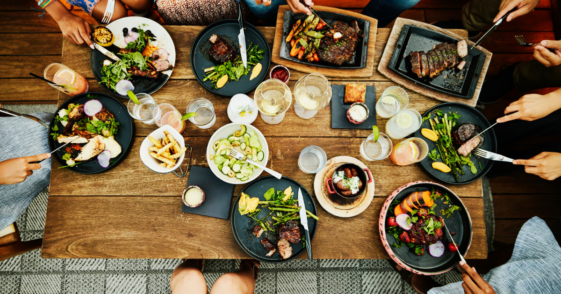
(170, 165)
(163, 164)
(165, 141)
(166, 160)
(164, 149)
(178, 154)
(153, 148)
(153, 154)
(155, 142)
(166, 154)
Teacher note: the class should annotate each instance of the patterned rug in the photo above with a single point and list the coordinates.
(31, 274)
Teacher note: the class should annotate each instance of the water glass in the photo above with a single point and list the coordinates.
(205, 117)
(67, 80)
(312, 159)
(273, 98)
(144, 111)
(167, 114)
(403, 124)
(379, 150)
(312, 93)
(393, 100)
(409, 151)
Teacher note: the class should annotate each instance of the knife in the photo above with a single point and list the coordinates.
(304, 222)
(241, 36)
(452, 239)
(493, 28)
(106, 52)
(315, 13)
(57, 149)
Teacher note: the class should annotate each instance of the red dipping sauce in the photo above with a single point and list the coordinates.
(281, 73)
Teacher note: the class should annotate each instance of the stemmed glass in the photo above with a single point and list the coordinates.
(312, 93)
(273, 98)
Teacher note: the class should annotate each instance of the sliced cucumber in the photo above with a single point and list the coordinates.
(236, 167)
(242, 146)
(247, 170)
(260, 155)
(246, 136)
(225, 163)
(235, 143)
(232, 162)
(249, 156)
(225, 169)
(219, 159)
(245, 179)
(216, 145)
(231, 138)
(223, 152)
(239, 176)
(254, 153)
(220, 166)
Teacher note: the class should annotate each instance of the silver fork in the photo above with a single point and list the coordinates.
(522, 41)
(240, 156)
(108, 11)
(491, 156)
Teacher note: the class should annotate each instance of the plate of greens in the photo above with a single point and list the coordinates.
(445, 121)
(147, 56)
(230, 77)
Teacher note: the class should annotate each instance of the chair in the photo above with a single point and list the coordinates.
(11, 244)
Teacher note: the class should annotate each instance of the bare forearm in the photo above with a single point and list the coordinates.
(57, 10)
(555, 99)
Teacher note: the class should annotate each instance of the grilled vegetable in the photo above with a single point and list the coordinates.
(294, 28)
(301, 54)
(315, 34)
(316, 58)
(295, 49)
(415, 200)
(307, 21)
(303, 43)
(320, 25)
(312, 25)
(292, 43)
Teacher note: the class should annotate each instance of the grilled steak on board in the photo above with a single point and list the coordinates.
(432, 63)
(341, 51)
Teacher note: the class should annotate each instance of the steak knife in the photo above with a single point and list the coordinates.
(106, 52)
(452, 240)
(241, 36)
(304, 222)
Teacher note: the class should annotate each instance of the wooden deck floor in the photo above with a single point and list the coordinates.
(30, 43)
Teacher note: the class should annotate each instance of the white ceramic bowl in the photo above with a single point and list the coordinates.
(223, 133)
(239, 101)
(153, 163)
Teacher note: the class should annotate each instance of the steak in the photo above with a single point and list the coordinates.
(341, 51)
(268, 245)
(416, 63)
(221, 51)
(464, 132)
(432, 64)
(454, 54)
(441, 63)
(436, 60)
(424, 65)
(290, 231)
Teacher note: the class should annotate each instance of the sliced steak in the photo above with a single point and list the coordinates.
(469, 146)
(269, 246)
(342, 50)
(424, 65)
(462, 48)
(453, 54)
(290, 231)
(416, 63)
(432, 64)
(285, 249)
(220, 51)
(464, 132)
(441, 63)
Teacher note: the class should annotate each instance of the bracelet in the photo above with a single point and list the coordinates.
(47, 2)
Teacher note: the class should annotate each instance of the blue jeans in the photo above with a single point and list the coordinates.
(386, 11)
(267, 14)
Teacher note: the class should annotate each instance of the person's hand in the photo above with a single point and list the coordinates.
(531, 107)
(298, 7)
(522, 7)
(546, 165)
(264, 2)
(16, 170)
(473, 282)
(547, 57)
(76, 30)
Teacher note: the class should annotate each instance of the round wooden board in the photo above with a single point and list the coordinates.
(321, 191)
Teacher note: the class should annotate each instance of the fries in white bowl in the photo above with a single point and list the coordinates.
(163, 150)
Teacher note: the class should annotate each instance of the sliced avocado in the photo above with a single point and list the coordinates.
(241, 132)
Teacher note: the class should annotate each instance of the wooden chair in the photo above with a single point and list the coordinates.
(11, 244)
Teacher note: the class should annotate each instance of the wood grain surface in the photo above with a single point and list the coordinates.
(330, 72)
(388, 53)
(155, 227)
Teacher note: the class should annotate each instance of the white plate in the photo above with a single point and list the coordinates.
(240, 101)
(154, 164)
(163, 39)
(223, 133)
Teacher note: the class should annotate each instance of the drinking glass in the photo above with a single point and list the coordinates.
(67, 80)
(403, 124)
(166, 114)
(393, 99)
(205, 117)
(312, 93)
(409, 151)
(379, 150)
(273, 99)
(312, 159)
(144, 110)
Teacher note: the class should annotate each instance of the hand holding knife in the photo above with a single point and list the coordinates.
(241, 36)
(304, 222)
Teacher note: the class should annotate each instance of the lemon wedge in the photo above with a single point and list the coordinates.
(414, 150)
(405, 120)
(66, 76)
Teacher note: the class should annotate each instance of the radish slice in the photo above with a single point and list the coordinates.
(131, 37)
(404, 221)
(123, 86)
(160, 54)
(104, 158)
(92, 107)
(437, 249)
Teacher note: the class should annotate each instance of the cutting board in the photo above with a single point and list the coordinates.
(330, 72)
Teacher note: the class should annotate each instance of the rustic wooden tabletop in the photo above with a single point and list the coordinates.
(130, 212)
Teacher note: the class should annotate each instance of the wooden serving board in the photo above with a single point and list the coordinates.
(330, 72)
(390, 74)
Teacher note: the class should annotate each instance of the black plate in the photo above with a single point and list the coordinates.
(468, 115)
(339, 109)
(242, 226)
(124, 136)
(141, 85)
(459, 223)
(228, 30)
(450, 81)
(361, 52)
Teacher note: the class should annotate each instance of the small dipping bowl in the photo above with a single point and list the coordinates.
(279, 69)
(185, 193)
(357, 104)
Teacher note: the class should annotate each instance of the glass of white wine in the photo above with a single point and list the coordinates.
(312, 93)
(273, 98)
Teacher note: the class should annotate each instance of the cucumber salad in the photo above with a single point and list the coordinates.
(243, 141)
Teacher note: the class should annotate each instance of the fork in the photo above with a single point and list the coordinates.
(491, 156)
(522, 41)
(240, 156)
(108, 11)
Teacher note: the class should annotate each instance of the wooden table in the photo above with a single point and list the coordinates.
(130, 212)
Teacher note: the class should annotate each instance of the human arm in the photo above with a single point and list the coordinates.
(473, 282)
(16, 170)
(74, 28)
(546, 57)
(533, 106)
(522, 8)
(546, 165)
(298, 7)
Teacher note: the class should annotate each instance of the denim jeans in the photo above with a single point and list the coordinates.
(386, 11)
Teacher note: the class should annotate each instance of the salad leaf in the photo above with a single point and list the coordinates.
(269, 194)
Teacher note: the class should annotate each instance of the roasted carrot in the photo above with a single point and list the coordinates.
(295, 49)
(294, 28)
(292, 43)
(301, 54)
(316, 58)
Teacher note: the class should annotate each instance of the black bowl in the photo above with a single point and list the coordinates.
(363, 174)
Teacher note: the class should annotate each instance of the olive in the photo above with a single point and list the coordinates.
(134, 30)
(125, 32)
